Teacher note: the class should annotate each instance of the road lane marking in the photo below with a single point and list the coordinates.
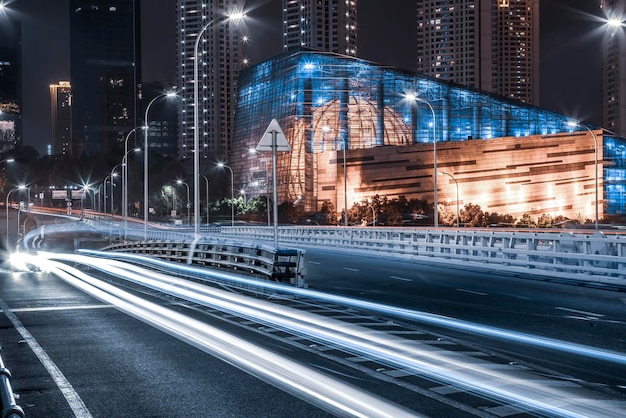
(472, 291)
(350, 269)
(75, 402)
(401, 278)
(577, 311)
(61, 308)
(314, 262)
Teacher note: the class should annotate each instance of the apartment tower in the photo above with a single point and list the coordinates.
(492, 45)
(220, 57)
(614, 69)
(105, 66)
(61, 109)
(328, 25)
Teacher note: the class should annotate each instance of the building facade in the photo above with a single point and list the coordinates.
(220, 58)
(492, 45)
(105, 65)
(61, 112)
(10, 85)
(614, 69)
(162, 120)
(329, 25)
(341, 114)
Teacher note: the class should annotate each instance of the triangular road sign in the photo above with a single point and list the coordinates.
(265, 144)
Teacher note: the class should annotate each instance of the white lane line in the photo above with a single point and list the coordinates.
(62, 308)
(350, 269)
(577, 311)
(314, 262)
(75, 402)
(401, 278)
(472, 291)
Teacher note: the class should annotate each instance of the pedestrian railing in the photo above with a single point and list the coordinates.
(10, 408)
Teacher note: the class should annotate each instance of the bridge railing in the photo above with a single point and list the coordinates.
(281, 265)
(556, 254)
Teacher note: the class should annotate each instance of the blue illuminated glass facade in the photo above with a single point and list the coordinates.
(300, 88)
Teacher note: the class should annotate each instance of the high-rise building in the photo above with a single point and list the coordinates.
(324, 25)
(105, 65)
(220, 57)
(10, 85)
(61, 109)
(492, 45)
(162, 120)
(614, 68)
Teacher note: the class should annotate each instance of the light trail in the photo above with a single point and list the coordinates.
(418, 316)
(523, 390)
(316, 388)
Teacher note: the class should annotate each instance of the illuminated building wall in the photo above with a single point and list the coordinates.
(10, 85)
(511, 157)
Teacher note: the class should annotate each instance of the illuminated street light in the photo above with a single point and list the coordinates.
(188, 205)
(457, 195)
(574, 124)
(125, 178)
(232, 193)
(145, 164)
(412, 97)
(196, 129)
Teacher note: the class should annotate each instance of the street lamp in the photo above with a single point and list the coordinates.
(22, 187)
(232, 193)
(196, 128)
(208, 207)
(243, 193)
(125, 178)
(457, 194)
(145, 163)
(414, 98)
(188, 205)
(575, 124)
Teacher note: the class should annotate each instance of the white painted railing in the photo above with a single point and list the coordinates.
(595, 256)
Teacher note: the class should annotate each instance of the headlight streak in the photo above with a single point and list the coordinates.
(312, 386)
(419, 316)
(470, 373)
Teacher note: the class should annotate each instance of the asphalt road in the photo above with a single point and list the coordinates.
(70, 354)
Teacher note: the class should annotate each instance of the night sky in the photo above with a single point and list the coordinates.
(570, 49)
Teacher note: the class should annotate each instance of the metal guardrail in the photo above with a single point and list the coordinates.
(283, 265)
(595, 256)
(10, 409)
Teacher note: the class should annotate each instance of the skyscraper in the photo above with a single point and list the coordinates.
(220, 52)
(10, 85)
(61, 110)
(105, 70)
(325, 25)
(492, 45)
(614, 69)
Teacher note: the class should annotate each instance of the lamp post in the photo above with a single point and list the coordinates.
(208, 207)
(457, 195)
(188, 205)
(595, 146)
(243, 193)
(22, 187)
(125, 187)
(414, 98)
(145, 163)
(196, 128)
(125, 178)
(232, 193)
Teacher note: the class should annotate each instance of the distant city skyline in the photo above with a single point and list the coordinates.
(570, 50)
